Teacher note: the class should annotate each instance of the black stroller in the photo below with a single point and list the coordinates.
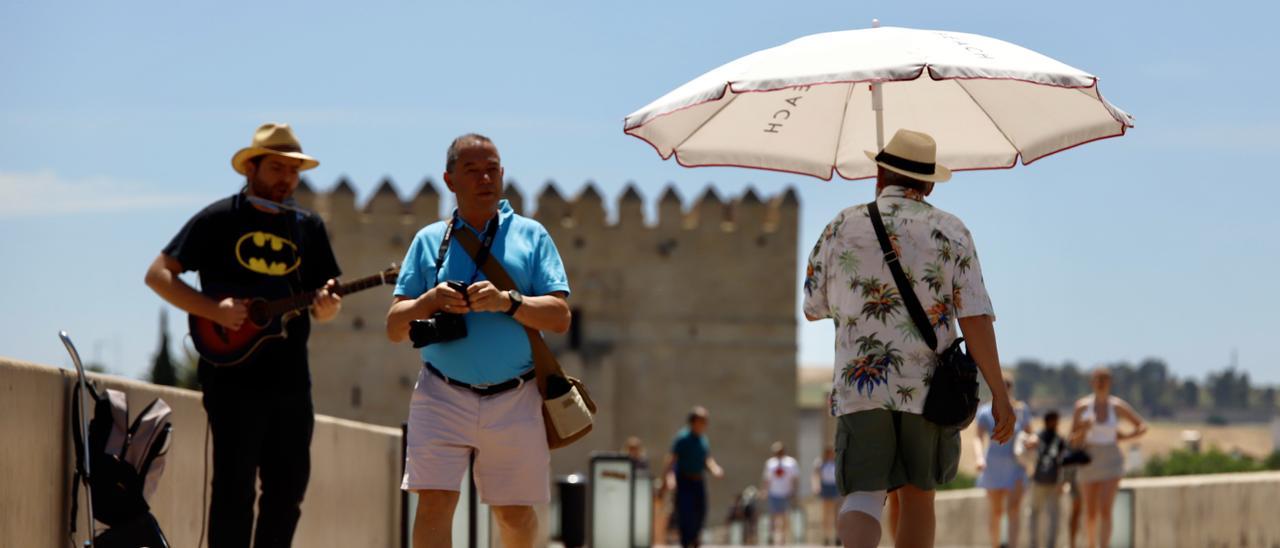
(120, 466)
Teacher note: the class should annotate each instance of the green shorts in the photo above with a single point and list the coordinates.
(881, 449)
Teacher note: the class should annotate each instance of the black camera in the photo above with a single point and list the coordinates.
(441, 327)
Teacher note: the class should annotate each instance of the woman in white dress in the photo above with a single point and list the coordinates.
(1097, 419)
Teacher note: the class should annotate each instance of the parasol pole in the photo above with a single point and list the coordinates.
(877, 103)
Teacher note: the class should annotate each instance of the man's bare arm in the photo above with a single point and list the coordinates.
(980, 336)
(546, 313)
(543, 313)
(714, 467)
(162, 277)
(404, 310)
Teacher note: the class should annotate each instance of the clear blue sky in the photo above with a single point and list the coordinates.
(117, 122)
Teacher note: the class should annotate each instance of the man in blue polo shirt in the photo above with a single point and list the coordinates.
(474, 394)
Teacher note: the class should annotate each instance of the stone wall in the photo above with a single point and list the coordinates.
(352, 500)
(1221, 510)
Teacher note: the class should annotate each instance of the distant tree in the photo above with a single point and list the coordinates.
(1153, 379)
(1150, 386)
(1229, 389)
(162, 367)
(1072, 381)
(1124, 381)
(1189, 395)
(1028, 375)
(1243, 389)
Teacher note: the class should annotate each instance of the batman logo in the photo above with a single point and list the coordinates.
(266, 253)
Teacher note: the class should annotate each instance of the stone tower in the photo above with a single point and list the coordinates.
(698, 308)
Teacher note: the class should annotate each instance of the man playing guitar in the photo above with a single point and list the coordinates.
(260, 410)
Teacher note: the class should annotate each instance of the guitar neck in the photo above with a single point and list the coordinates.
(303, 300)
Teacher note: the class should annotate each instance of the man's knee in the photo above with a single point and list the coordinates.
(436, 503)
(915, 497)
(870, 503)
(516, 517)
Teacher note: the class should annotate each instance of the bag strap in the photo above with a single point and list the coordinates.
(544, 361)
(905, 289)
(480, 257)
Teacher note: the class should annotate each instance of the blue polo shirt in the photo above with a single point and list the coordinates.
(496, 347)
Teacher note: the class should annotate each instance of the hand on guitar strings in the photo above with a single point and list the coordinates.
(327, 302)
(231, 313)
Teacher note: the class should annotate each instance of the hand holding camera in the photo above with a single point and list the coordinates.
(447, 323)
(451, 297)
(483, 296)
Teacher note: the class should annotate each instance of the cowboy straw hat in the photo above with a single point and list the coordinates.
(272, 138)
(912, 154)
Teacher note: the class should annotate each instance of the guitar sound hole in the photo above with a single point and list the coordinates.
(258, 313)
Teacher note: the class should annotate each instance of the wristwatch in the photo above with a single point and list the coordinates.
(516, 300)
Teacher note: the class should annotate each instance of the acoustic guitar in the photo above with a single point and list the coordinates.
(266, 320)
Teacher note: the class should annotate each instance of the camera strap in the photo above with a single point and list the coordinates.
(481, 256)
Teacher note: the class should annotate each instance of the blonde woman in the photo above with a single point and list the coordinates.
(1097, 420)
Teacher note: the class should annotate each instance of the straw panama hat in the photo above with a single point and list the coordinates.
(912, 154)
(273, 138)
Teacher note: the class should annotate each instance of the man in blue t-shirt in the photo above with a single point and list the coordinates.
(473, 395)
(689, 460)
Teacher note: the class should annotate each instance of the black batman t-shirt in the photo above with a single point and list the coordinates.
(241, 251)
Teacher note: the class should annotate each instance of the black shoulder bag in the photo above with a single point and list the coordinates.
(952, 400)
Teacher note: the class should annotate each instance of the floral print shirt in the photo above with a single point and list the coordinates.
(880, 359)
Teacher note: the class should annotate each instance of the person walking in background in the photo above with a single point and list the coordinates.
(781, 481)
(823, 483)
(686, 467)
(742, 514)
(882, 364)
(634, 450)
(999, 471)
(1097, 417)
(1046, 478)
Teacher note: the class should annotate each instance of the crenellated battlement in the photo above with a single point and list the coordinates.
(586, 209)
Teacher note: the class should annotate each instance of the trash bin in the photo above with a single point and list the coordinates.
(614, 518)
(572, 491)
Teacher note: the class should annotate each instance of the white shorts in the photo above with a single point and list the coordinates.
(447, 423)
